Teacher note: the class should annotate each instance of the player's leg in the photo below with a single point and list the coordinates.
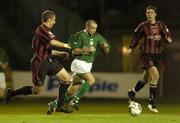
(39, 70)
(89, 81)
(64, 78)
(73, 88)
(76, 83)
(1, 92)
(139, 85)
(25, 90)
(79, 87)
(57, 69)
(2, 84)
(154, 74)
(83, 69)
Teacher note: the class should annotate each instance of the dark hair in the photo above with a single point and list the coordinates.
(151, 7)
(46, 15)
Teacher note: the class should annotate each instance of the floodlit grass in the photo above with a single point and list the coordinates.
(89, 118)
(91, 111)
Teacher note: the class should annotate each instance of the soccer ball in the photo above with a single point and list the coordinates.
(135, 108)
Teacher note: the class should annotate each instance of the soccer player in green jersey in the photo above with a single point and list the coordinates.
(86, 45)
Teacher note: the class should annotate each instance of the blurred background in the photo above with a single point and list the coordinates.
(117, 20)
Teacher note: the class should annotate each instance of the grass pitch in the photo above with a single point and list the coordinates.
(91, 111)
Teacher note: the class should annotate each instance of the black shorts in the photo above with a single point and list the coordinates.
(42, 68)
(150, 60)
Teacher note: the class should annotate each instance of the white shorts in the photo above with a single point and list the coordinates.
(2, 80)
(79, 66)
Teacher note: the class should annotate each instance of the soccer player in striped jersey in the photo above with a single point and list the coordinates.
(151, 31)
(42, 64)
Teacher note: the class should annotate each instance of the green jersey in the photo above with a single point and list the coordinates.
(83, 40)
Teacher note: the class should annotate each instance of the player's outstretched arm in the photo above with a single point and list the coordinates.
(87, 50)
(106, 48)
(57, 43)
(62, 54)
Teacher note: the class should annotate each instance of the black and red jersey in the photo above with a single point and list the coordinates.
(152, 34)
(41, 42)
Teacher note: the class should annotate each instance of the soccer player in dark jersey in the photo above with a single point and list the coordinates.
(152, 31)
(42, 64)
(86, 45)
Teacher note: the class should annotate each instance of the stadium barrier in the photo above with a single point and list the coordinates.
(108, 85)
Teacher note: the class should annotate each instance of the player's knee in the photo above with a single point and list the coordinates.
(65, 80)
(91, 81)
(155, 78)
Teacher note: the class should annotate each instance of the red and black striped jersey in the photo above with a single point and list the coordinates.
(152, 34)
(41, 42)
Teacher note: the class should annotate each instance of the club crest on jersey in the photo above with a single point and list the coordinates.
(155, 37)
(91, 41)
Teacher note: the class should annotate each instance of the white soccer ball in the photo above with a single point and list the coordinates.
(135, 108)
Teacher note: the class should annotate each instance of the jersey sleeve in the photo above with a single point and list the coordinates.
(165, 32)
(136, 36)
(102, 40)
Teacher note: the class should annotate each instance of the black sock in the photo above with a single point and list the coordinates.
(62, 91)
(140, 84)
(26, 90)
(153, 93)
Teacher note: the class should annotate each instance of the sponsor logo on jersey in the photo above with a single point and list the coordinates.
(155, 37)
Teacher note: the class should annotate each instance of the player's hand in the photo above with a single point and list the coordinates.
(126, 51)
(89, 49)
(67, 46)
(169, 39)
(106, 48)
(105, 45)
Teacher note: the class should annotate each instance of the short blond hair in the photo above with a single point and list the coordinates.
(88, 22)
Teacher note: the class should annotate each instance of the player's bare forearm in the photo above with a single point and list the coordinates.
(62, 54)
(106, 48)
(87, 50)
(77, 51)
(57, 43)
(58, 53)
